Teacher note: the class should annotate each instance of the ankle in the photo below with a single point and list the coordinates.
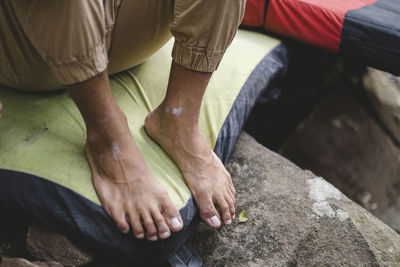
(108, 130)
(175, 116)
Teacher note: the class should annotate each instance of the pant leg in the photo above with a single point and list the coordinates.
(141, 28)
(203, 30)
(21, 66)
(65, 37)
(48, 44)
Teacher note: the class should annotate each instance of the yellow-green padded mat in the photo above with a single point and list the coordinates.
(44, 134)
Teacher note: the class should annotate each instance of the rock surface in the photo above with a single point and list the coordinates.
(385, 93)
(295, 218)
(46, 245)
(19, 262)
(345, 143)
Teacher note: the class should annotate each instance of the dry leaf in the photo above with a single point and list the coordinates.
(242, 216)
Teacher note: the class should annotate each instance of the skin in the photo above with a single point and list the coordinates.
(126, 188)
(174, 126)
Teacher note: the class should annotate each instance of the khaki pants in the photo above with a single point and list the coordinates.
(45, 45)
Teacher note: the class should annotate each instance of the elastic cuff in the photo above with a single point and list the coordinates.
(198, 59)
(81, 69)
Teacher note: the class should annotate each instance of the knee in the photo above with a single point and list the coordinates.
(228, 12)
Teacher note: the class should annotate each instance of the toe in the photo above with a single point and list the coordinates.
(118, 215)
(231, 195)
(162, 227)
(172, 216)
(230, 181)
(209, 214)
(231, 186)
(225, 210)
(136, 225)
(232, 189)
(213, 221)
(175, 223)
(231, 204)
(151, 230)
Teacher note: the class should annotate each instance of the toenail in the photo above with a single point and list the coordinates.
(140, 236)
(164, 235)
(153, 238)
(229, 221)
(214, 221)
(175, 223)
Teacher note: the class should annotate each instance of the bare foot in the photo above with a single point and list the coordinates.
(126, 188)
(1, 109)
(206, 176)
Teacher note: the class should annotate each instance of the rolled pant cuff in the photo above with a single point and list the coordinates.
(198, 59)
(81, 69)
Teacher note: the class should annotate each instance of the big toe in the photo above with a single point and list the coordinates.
(172, 216)
(214, 221)
(209, 214)
(175, 223)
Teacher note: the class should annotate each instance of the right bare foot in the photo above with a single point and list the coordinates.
(126, 188)
(206, 176)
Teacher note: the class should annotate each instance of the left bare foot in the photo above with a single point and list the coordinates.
(206, 176)
(126, 188)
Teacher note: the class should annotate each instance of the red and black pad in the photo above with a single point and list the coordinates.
(372, 35)
(255, 13)
(367, 30)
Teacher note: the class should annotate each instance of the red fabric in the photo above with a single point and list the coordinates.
(312, 21)
(254, 13)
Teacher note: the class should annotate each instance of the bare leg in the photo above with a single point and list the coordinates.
(1, 109)
(127, 190)
(174, 125)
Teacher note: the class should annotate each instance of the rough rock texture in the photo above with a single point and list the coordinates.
(384, 89)
(342, 141)
(46, 245)
(295, 218)
(19, 262)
